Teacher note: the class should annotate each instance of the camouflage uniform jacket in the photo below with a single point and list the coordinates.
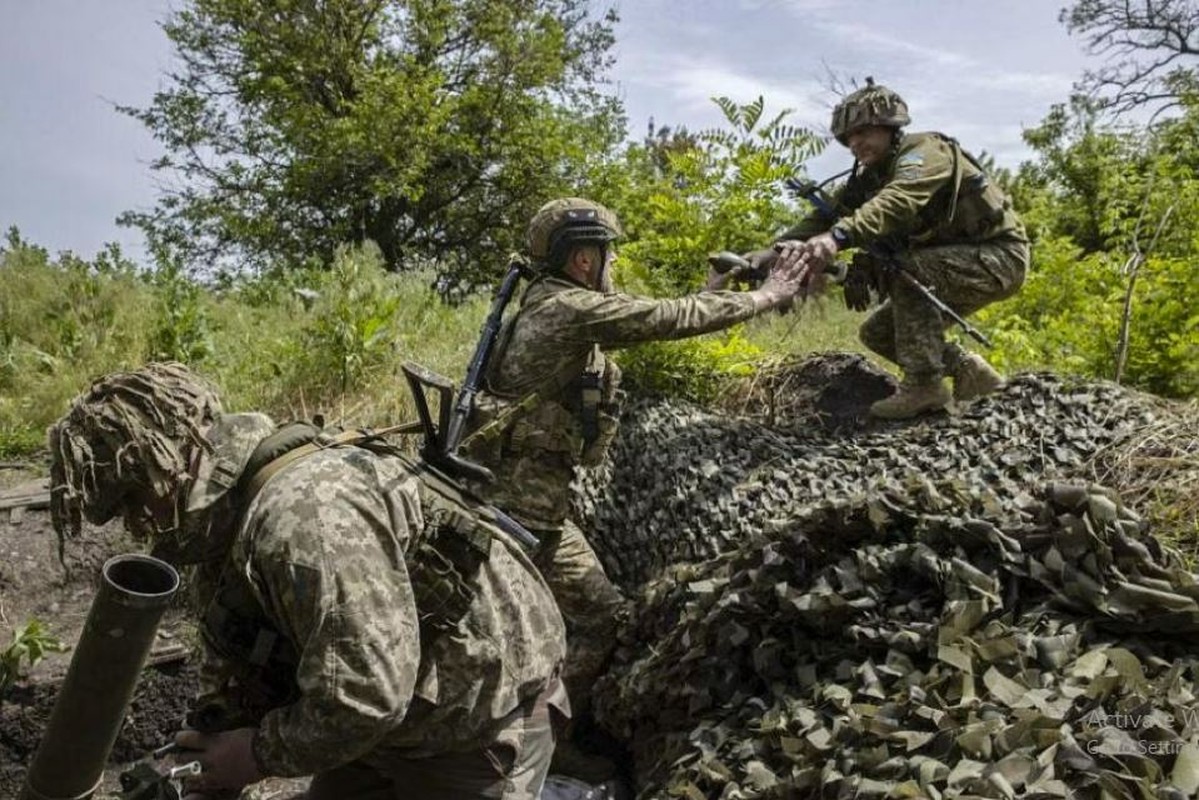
(927, 192)
(528, 424)
(325, 549)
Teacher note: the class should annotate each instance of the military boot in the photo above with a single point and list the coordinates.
(912, 399)
(974, 378)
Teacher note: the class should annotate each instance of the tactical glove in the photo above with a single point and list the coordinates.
(857, 287)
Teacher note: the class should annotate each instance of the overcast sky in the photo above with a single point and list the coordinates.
(979, 70)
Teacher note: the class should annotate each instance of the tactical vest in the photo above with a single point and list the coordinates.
(574, 414)
(969, 209)
(443, 560)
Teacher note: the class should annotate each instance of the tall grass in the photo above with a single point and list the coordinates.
(328, 341)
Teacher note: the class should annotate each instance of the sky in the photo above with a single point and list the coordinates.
(978, 70)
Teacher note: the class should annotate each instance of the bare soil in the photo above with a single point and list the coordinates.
(34, 584)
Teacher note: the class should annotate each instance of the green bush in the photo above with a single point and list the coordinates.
(1067, 318)
(29, 645)
(696, 369)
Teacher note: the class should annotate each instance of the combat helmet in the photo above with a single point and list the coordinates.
(870, 105)
(566, 222)
(126, 445)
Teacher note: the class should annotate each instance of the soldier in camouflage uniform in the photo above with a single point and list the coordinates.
(334, 649)
(550, 399)
(920, 199)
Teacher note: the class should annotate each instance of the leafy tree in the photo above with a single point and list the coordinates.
(432, 127)
(1077, 156)
(1112, 291)
(1150, 48)
(685, 195)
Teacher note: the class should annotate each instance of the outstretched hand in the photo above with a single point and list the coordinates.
(787, 277)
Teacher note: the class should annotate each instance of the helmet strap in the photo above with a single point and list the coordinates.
(601, 274)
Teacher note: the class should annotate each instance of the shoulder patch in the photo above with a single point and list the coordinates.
(908, 166)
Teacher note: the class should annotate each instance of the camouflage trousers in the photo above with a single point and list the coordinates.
(591, 605)
(512, 766)
(909, 331)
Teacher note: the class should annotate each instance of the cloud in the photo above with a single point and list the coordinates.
(691, 83)
(867, 38)
(798, 7)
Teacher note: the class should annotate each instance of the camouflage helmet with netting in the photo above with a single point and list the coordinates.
(870, 105)
(567, 222)
(126, 444)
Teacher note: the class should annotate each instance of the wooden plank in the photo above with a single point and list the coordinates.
(31, 500)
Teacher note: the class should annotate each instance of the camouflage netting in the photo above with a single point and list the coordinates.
(944, 608)
(715, 479)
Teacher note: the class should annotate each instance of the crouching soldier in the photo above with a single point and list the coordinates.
(927, 205)
(365, 623)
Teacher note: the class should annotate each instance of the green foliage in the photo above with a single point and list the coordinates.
(1076, 173)
(62, 321)
(433, 128)
(351, 333)
(696, 369)
(686, 196)
(30, 645)
(181, 328)
(1112, 212)
(818, 325)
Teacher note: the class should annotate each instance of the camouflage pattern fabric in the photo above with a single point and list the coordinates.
(529, 430)
(954, 231)
(533, 449)
(909, 331)
(592, 605)
(919, 641)
(732, 477)
(511, 766)
(130, 430)
(322, 550)
(926, 192)
(323, 553)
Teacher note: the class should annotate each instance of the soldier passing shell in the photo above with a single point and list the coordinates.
(920, 204)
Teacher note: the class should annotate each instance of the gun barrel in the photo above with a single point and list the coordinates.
(940, 305)
(134, 592)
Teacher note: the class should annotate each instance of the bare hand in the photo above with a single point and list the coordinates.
(226, 759)
(821, 251)
(788, 276)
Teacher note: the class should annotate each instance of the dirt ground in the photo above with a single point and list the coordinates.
(35, 585)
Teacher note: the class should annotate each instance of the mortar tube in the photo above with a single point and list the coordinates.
(95, 694)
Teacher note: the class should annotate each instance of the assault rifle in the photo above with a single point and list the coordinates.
(814, 193)
(444, 436)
